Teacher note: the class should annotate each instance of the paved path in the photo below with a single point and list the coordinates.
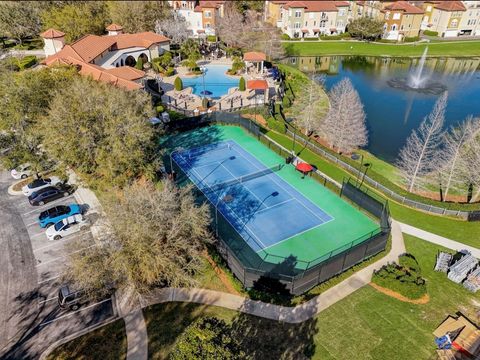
(439, 240)
(137, 338)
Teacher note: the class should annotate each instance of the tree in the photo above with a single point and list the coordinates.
(419, 155)
(174, 27)
(77, 19)
(344, 127)
(178, 84)
(155, 236)
(366, 28)
(189, 49)
(224, 29)
(138, 16)
(471, 164)
(26, 97)
(207, 338)
(241, 84)
(245, 5)
(19, 19)
(453, 153)
(310, 106)
(86, 129)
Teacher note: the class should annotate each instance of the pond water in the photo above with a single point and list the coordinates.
(216, 82)
(393, 113)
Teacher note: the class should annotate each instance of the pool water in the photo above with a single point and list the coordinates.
(216, 81)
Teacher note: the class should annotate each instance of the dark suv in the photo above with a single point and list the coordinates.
(49, 193)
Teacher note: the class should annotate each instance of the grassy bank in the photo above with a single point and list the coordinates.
(306, 48)
(462, 231)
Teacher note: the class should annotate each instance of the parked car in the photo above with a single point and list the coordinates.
(67, 226)
(22, 172)
(69, 298)
(48, 194)
(41, 183)
(55, 214)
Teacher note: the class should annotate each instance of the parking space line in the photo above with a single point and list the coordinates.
(49, 279)
(37, 235)
(33, 223)
(47, 300)
(64, 256)
(74, 312)
(56, 242)
(48, 204)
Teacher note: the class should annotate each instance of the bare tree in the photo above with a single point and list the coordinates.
(470, 161)
(231, 25)
(345, 128)
(155, 236)
(455, 143)
(174, 27)
(419, 155)
(310, 106)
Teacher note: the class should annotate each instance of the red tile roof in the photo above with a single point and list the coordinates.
(254, 56)
(257, 84)
(450, 5)
(126, 72)
(403, 6)
(52, 34)
(114, 27)
(316, 6)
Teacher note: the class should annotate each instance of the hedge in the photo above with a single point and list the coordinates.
(211, 38)
(430, 33)
(411, 39)
(285, 37)
(241, 84)
(178, 84)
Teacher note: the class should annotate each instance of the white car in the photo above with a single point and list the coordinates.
(67, 226)
(22, 172)
(41, 183)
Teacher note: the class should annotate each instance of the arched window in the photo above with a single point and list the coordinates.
(130, 61)
(394, 27)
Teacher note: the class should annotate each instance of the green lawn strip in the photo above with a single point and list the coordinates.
(462, 231)
(470, 48)
(208, 278)
(364, 325)
(107, 342)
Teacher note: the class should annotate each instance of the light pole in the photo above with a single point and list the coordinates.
(220, 198)
(203, 68)
(367, 166)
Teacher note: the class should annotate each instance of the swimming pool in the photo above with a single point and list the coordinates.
(216, 81)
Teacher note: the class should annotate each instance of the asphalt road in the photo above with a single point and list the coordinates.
(30, 270)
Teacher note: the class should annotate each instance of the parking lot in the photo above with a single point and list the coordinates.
(50, 257)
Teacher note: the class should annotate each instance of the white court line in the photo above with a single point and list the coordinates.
(286, 190)
(47, 204)
(278, 204)
(55, 242)
(49, 279)
(64, 256)
(234, 228)
(73, 312)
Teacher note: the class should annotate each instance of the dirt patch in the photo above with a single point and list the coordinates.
(258, 118)
(221, 274)
(423, 300)
(19, 185)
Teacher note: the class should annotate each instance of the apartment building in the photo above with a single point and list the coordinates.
(445, 17)
(273, 12)
(401, 20)
(470, 22)
(313, 18)
(201, 16)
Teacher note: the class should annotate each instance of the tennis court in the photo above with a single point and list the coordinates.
(260, 205)
(276, 212)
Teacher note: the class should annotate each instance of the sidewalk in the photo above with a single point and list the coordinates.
(439, 240)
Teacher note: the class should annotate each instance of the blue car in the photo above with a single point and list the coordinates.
(55, 214)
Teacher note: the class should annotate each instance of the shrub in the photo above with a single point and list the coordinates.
(211, 38)
(411, 39)
(178, 84)
(160, 109)
(285, 37)
(430, 33)
(139, 64)
(311, 39)
(331, 37)
(385, 41)
(241, 84)
(28, 61)
(238, 64)
(205, 102)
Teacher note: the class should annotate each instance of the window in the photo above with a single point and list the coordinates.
(207, 25)
(314, 22)
(429, 8)
(341, 12)
(208, 14)
(310, 15)
(298, 13)
(396, 16)
(306, 23)
(323, 23)
(401, 27)
(387, 15)
(296, 25)
(394, 27)
(454, 23)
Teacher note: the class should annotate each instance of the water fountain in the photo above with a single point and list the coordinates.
(417, 82)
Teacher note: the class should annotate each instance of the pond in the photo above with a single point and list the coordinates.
(216, 82)
(393, 113)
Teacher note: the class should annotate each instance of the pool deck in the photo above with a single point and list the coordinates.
(187, 101)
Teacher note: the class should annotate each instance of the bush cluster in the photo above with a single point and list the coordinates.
(411, 39)
(404, 278)
(430, 33)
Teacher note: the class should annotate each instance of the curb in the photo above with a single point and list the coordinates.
(15, 192)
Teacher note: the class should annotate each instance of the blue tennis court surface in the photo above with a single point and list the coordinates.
(263, 208)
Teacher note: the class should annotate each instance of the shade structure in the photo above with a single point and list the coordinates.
(304, 167)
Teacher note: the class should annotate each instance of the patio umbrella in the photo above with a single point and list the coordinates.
(304, 167)
(206, 92)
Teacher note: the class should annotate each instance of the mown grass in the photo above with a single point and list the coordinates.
(457, 49)
(106, 343)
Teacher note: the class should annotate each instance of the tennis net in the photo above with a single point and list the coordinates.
(241, 179)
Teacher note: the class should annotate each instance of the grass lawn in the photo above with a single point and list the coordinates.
(107, 342)
(462, 231)
(468, 48)
(365, 325)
